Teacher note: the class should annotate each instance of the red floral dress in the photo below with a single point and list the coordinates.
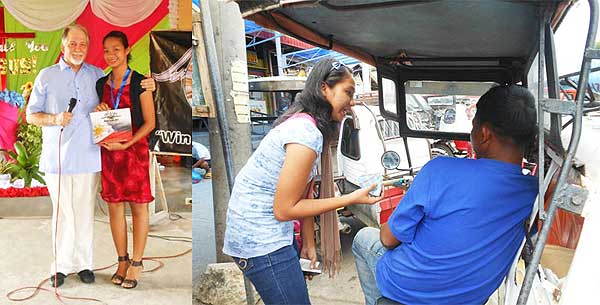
(125, 173)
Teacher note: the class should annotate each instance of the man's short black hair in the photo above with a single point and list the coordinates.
(510, 111)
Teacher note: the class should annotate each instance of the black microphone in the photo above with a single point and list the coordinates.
(72, 104)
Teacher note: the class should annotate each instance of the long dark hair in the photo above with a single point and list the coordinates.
(311, 99)
(121, 36)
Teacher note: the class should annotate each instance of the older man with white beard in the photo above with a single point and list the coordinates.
(70, 159)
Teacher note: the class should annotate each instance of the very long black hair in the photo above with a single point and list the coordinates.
(311, 99)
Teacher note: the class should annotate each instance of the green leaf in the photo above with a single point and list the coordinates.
(12, 155)
(22, 160)
(14, 169)
(37, 177)
(21, 151)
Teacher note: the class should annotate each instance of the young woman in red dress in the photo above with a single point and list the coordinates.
(125, 165)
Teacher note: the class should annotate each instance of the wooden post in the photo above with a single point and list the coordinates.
(157, 185)
(209, 109)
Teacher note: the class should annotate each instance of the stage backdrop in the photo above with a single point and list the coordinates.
(25, 50)
(170, 64)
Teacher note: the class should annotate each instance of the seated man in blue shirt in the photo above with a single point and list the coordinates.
(453, 237)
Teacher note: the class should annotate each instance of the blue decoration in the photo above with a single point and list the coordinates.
(12, 98)
(196, 176)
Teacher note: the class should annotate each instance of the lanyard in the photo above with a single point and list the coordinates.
(112, 87)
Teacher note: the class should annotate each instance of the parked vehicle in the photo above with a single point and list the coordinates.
(449, 48)
(364, 138)
(456, 119)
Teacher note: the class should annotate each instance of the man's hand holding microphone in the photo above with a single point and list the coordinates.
(62, 119)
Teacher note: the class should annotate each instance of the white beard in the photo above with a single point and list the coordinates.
(75, 61)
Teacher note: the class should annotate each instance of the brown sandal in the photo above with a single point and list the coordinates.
(132, 283)
(118, 279)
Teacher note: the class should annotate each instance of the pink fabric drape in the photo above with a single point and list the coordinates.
(123, 13)
(8, 125)
(98, 28)
(46, 16)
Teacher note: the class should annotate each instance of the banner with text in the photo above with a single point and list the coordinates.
(171, 67)
(24, 52)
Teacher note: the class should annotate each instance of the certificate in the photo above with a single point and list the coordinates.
(111, 126)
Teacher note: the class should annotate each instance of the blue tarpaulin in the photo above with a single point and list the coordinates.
(307, 56)
(302, 56)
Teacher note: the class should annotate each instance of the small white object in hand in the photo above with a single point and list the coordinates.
(305, 266)
(368, 180)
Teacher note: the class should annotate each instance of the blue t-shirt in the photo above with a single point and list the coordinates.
(460, 224)
(252, 229)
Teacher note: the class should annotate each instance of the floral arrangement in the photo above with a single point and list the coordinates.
(27, 88)
(24, 192)
(24, 165)
(29, 134)
(21, 165)
(12, 98)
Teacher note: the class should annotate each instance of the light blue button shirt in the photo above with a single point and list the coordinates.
(53, 89)
(252, 229)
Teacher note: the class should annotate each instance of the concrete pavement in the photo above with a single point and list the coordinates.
(27, 255)
(203, 227)
(344, 288)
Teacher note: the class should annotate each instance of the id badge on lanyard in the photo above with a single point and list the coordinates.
(116, 101)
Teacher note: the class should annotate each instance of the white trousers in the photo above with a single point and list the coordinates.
(74, 234)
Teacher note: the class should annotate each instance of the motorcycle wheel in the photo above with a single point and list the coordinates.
(441, 150)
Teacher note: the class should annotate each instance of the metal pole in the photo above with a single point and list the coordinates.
(215, 75)
(566, 166)
(280, 59)
(553, 88)
(366, 77)
(231, 47)
(541, 113)
(532, 267)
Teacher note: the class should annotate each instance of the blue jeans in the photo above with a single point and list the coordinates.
(277, 276)
(367, 250)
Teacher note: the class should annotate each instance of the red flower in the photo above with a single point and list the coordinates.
(24, 192)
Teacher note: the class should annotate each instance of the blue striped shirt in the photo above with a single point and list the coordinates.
(53, 89)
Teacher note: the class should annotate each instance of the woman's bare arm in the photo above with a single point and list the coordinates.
(289, 204)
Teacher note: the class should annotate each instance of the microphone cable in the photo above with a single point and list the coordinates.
(38, 288)
(60, 297)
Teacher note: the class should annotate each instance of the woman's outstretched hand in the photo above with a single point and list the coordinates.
(362, 196)
(102, 107)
